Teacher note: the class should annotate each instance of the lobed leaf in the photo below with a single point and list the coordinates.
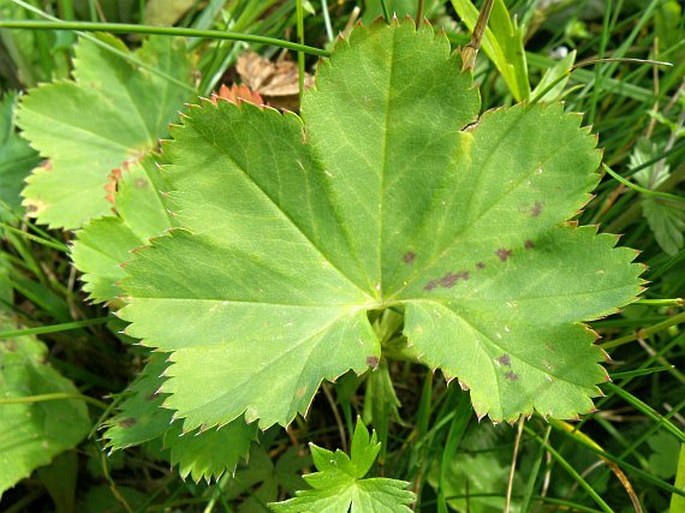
(111, 113)
(338, 486)
(389, 192)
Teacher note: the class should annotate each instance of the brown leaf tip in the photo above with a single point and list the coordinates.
(237, 94)
(112, 183)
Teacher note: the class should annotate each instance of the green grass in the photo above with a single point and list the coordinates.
(638, 427)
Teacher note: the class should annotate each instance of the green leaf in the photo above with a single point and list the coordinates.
(17, 158)
(203, 454)
(32, 433)
(208, 454)
(553, 82)
(475, 479)
(104, 244)
(141, 417)
(664, 458)
(128, 111)
(262, 479)
(392, 193)
(338, 487)
(666, 219)
(399, 8)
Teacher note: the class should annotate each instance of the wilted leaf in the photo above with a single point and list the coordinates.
(387, 196)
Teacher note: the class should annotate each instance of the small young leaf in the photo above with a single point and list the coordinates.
(553, 82)
(667, 221)
(128, 110)
(339, 486)
(389, 193)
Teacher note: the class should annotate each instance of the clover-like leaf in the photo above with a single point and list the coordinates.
(339, 487)
(389, 192)
(113, 112)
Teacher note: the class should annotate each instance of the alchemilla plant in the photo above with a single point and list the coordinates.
(390, 192)
(262, 253)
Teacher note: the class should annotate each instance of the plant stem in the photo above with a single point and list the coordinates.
(54, 328)
(128, 28)
(645, 333)
(57, 396)
(470, 51)
(386, 12)
(300, 39)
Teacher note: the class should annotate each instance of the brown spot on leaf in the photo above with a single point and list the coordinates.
(511, 376)
(431, 285)
(34, 207)
(504, 254)
(127, 423)
(480, 265)
(536, 209)
(300, 392)
(529, 244)
(409, 257)
(505, 359)
(450, 279)
(46, 165)
(140, 183)
(372, 361)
